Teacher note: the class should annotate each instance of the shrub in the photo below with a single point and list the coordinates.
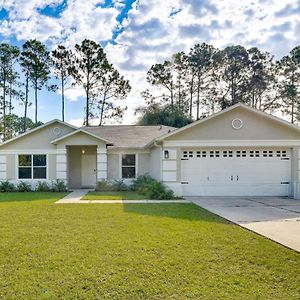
(6, 186)
(59, 185)
(24, 186)
(152, 189)
(114, 186)
(42, 186)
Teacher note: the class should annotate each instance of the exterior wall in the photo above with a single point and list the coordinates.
(113, 166)
(114, 161)
(81, 139)
(38, 140)
(296, 173)
(155, 162)
(171, 169)
(143, 163)
(101, 164)
(255, 127)
(9, 165)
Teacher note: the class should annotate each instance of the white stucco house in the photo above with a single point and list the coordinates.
(238, 151)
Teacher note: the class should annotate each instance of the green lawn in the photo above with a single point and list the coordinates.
(135, 251)
(126, 195)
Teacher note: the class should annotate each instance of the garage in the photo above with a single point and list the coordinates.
(236, 172)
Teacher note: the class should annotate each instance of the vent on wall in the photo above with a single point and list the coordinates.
(57, 131)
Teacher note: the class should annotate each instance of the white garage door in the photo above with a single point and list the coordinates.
(236, 172)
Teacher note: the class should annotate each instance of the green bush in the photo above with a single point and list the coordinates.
(24, 186)
(6, 186)
(59, 185)
(42, 186)
(111, 186)
(152, 189)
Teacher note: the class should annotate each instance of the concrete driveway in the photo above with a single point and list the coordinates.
(277, 218)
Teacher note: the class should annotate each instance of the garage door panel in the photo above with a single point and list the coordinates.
(263, 172)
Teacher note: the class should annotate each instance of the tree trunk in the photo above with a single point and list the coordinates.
(36, 103)
(26, 104)
(102, 111)
(4, 109)
(172, 98)
(62, 100)
(191, 97)
(198, 98)
(87, 108)
(10, 99)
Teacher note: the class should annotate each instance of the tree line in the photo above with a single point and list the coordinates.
(25, 72)
(207, 79)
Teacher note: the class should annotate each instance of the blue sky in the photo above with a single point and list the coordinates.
(137, 34)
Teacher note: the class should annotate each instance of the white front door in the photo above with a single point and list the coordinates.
(88, 171)
(236, 172)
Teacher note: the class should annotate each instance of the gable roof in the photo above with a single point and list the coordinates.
(264, 114)
(83, 131)
(129, 136)
(37, 129)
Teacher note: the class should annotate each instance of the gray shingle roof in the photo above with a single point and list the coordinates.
(129, 136)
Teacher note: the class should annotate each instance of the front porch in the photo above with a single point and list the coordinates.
(81, 160)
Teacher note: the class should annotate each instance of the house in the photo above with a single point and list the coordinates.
(238, 151)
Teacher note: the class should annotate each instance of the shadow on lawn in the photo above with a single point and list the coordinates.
(189, 211)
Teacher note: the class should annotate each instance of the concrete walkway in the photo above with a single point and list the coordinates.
(276, 218)
(75, 196)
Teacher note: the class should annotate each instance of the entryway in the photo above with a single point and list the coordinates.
(82, 166)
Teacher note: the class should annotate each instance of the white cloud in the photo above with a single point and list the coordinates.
(156, 29)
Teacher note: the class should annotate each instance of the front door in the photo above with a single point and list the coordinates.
(88, 171)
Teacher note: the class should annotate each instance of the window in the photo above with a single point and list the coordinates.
(128, 166)
(32, 166)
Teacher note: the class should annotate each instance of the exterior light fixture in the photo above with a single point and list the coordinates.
(83, 151)
(167, 154)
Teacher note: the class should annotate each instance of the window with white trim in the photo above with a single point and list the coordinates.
(32, 166)
(128, 166)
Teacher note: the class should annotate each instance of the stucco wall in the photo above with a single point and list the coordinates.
(40, 139)
(113, 166)
(80, 139)
(255, 127)
(155, 163)
(143, 163)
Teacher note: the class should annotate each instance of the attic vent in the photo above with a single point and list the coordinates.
(56, 131)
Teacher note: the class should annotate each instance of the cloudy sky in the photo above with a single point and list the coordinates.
(137, 34)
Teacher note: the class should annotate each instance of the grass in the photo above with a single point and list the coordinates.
(30, 196)
(135, 251)
(125, 195)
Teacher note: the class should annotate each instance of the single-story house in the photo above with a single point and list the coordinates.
(238, 151)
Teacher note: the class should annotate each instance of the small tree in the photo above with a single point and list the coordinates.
(89, 66)
(112, 87)
(62, 59)
(289, 81)
(36, 64)
(200, 63)
(8, 57)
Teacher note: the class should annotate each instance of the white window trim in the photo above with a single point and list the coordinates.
(136, 165)
(30, 179)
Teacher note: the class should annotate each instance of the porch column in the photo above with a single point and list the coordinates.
(61, 164)
(101, 163)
